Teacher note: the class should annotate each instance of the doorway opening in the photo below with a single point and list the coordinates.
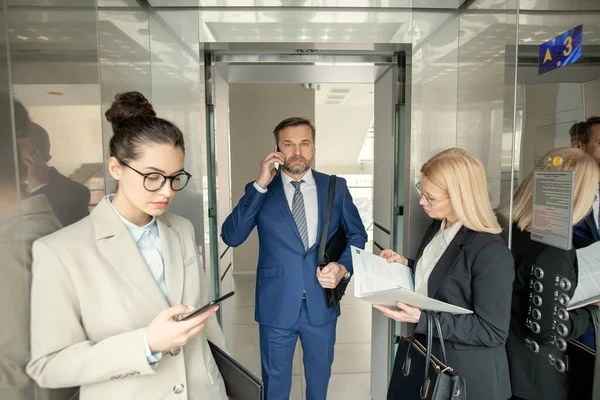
(250, 89)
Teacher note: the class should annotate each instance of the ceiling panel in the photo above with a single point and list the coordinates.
(305, 26)
(310, 3)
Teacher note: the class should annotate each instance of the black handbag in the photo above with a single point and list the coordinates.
(439, 382)
(580, 360)
(330, 251)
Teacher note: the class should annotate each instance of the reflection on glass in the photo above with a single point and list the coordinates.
(50, 156)
(25, 216)
(553, 102)
(69, 199)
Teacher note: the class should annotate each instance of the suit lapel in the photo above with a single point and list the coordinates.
(117, 245)
(276, 188)
(593, 226)
(172, 260)
(448, 261)
(429, 234)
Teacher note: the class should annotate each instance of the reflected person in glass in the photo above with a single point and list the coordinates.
(462, 260)
(109, 290)
(24, 217)
(69, 199)
(585, 135)
(536, 313)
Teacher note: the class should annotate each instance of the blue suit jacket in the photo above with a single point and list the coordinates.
(586, 232)
(285, 270)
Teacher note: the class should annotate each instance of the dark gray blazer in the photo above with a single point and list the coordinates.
(532, 375)
(475, 272)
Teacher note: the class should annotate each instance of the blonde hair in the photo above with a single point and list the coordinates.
(587, 175)
(462, 176)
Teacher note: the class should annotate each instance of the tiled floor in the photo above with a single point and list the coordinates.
(351, 377)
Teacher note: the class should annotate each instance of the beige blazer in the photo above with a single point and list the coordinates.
(93, 296)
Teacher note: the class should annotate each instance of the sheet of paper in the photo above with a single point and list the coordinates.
(374, 274)
(588, 286)
(383, 283)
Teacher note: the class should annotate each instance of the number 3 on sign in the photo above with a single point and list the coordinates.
(569, 43)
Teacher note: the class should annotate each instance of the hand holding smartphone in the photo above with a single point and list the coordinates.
(206, 307)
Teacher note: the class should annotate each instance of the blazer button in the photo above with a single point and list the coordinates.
(174, 352)
(178, 389)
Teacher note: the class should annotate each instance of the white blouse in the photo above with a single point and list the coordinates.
(432, 253)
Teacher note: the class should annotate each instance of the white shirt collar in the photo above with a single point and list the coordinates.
(450, 232)
(308, 178)
(135, 230)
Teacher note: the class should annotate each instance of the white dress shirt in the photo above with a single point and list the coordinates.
(30, 189)
(311, 202)
(432, 254)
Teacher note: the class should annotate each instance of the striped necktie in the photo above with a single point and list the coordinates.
(299, 213)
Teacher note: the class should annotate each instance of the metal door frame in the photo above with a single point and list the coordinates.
(393, 55)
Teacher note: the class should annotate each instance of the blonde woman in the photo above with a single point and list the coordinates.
(534, 312)
(462, 260)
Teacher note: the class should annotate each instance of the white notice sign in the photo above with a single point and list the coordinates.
(553, 208)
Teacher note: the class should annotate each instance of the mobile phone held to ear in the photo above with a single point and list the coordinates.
(276, 164)
(206, 307)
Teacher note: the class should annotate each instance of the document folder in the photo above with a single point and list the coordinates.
(383, 283)
(240, 383)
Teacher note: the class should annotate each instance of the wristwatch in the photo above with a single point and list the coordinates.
(347, 276)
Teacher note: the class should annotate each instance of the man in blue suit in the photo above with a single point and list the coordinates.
(585, 135)
(287, 205)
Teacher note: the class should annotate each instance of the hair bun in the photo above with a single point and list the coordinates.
(129, 105)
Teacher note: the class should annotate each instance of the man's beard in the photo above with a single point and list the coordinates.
(297, 169)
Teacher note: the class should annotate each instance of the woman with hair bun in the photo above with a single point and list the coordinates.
(109, 290)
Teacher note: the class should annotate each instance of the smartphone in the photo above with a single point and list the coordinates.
(206, 307)
(276, 164)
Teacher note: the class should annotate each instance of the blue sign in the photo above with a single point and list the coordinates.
(563, 50)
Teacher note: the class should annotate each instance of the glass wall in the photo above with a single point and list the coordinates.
(61, 65)
(549, 104)
(51, 162)
(473, 83)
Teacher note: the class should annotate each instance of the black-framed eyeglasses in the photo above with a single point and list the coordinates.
(154, 181)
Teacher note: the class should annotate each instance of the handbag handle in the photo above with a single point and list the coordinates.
(432, 318)
(407, 360)
(436, 319)
(426, 380)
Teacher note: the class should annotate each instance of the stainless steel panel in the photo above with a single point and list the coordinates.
(301, 74)
(383, 199)
(486, 87)
(433, 106)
